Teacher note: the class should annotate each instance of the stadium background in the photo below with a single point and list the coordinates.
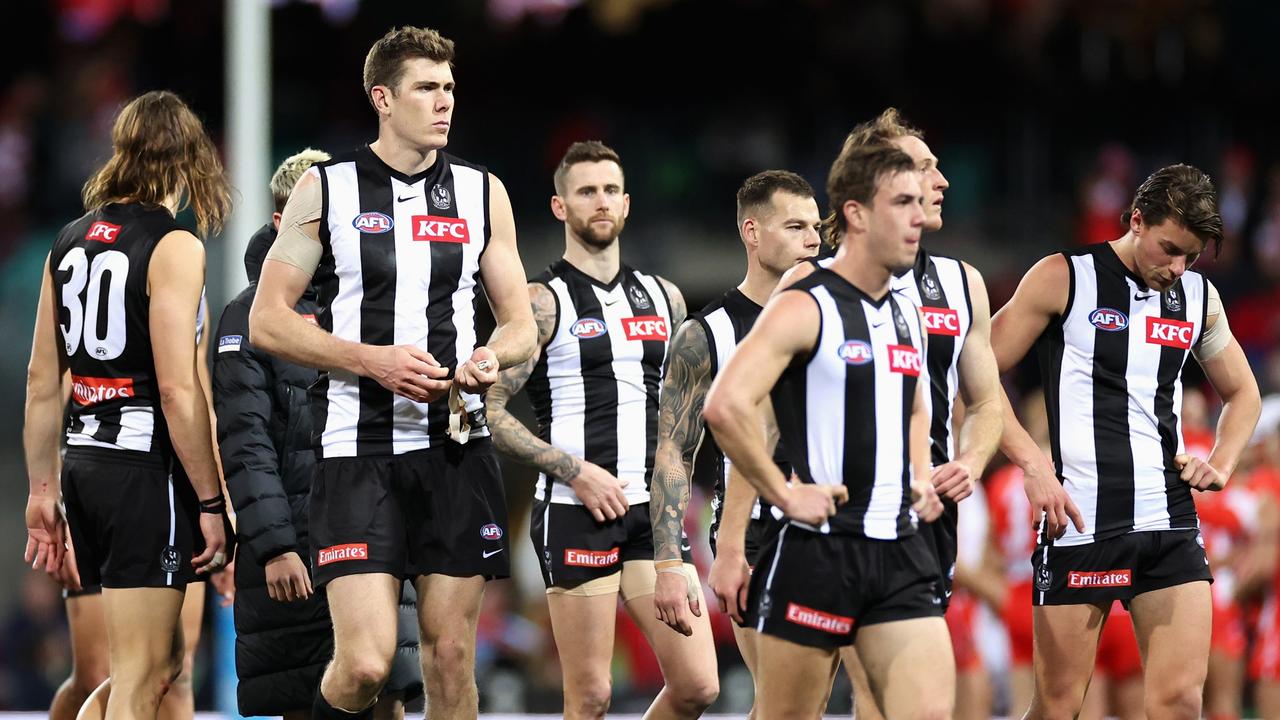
(1045, 113)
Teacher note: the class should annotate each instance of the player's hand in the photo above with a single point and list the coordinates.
(406, 370)
(1199, 474)
(478, 373)
(600, 492)
(730, 579)
(1049, 499)
(287, 578)
(214, 557)
(46, 529)
(925, 500)
(674, 599)
(953, 480)
(812, 504)
(224, 583)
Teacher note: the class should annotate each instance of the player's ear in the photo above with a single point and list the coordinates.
(750, 232)
(557, 208)
(855, 215)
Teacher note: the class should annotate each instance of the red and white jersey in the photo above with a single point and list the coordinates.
(1012, 520)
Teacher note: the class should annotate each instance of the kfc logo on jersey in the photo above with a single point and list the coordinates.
(92, 390)
(941, 321)
(103, 232)
(342, 553)
(1170, 333)
(645, 327)
(1106, 578)
(432, 228)
(818, 620)
(904, 359)
(590, 558)
(855, 352)
(374, 223)
(491, 532)
(587, 328)
(1109, 319)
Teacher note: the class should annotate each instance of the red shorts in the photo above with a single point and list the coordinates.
(1264, 664)
(1118, 657)
(1228, 631)
(962, 616)
(1016, 615)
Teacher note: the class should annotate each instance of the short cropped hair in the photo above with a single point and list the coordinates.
(286, 176)
(758, 189)
(580, 152)
(384, 65)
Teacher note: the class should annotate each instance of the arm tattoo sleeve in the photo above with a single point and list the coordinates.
(680, 428)
(510, 436)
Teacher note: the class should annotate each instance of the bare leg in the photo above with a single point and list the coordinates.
(448, 609)
(145, 640)
(1173, 629)
(90, 662)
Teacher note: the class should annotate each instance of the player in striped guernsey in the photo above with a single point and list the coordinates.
(778, 223)
(953, 300)
(397, 235)
(603, 329)
(1115, 323)
(128, 280)
(860, 571)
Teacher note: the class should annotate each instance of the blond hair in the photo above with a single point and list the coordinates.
(286, 176)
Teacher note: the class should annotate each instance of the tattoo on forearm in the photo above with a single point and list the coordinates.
(680, 428)
(510, 436)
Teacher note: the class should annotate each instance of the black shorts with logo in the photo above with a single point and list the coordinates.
(817, 590)
(133, 522)
(436, 511)
(573, 548)
(1120, 568)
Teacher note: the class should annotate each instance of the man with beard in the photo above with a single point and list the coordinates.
(593, 383)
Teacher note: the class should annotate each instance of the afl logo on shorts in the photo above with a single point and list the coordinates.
(491, 532)
(1108, 319)
(855, 352)
(374, 223)
(587, 328)
(170, 559)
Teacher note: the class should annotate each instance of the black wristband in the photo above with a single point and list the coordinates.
(214, 505)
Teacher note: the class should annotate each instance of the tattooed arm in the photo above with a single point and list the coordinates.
(598, 490)
(684, 388)
(675, 299)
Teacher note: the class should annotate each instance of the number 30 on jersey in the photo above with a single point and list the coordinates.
(109, 268)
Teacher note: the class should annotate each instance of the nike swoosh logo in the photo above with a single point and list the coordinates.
(1143, 297)
(405, 199)
(613, 302)
(491, 554)
(879, 323)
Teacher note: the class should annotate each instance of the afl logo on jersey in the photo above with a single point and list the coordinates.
(855, 352)
(491, 532)
(374, 223)
(587, 328)
(1109, 319)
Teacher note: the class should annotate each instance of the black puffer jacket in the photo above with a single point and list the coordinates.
(264, 434)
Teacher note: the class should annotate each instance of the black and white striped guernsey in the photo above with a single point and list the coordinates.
(99, 267)
(594, 389)
(400, 264)
(725, 322)
(844, 413)
(1112, 369)
(940, 286)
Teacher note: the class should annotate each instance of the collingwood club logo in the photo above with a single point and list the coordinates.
(931, 290)
(440, 197)
(1172, 301)
(170, 559)
(638, 299)
(1044, 578)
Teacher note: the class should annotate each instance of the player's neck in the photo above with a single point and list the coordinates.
(601, 263)
(853, 264)
(1123, 248)
(759, 283)
(402, 158)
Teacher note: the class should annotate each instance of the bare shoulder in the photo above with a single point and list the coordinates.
(679, 311)
(798, 272)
